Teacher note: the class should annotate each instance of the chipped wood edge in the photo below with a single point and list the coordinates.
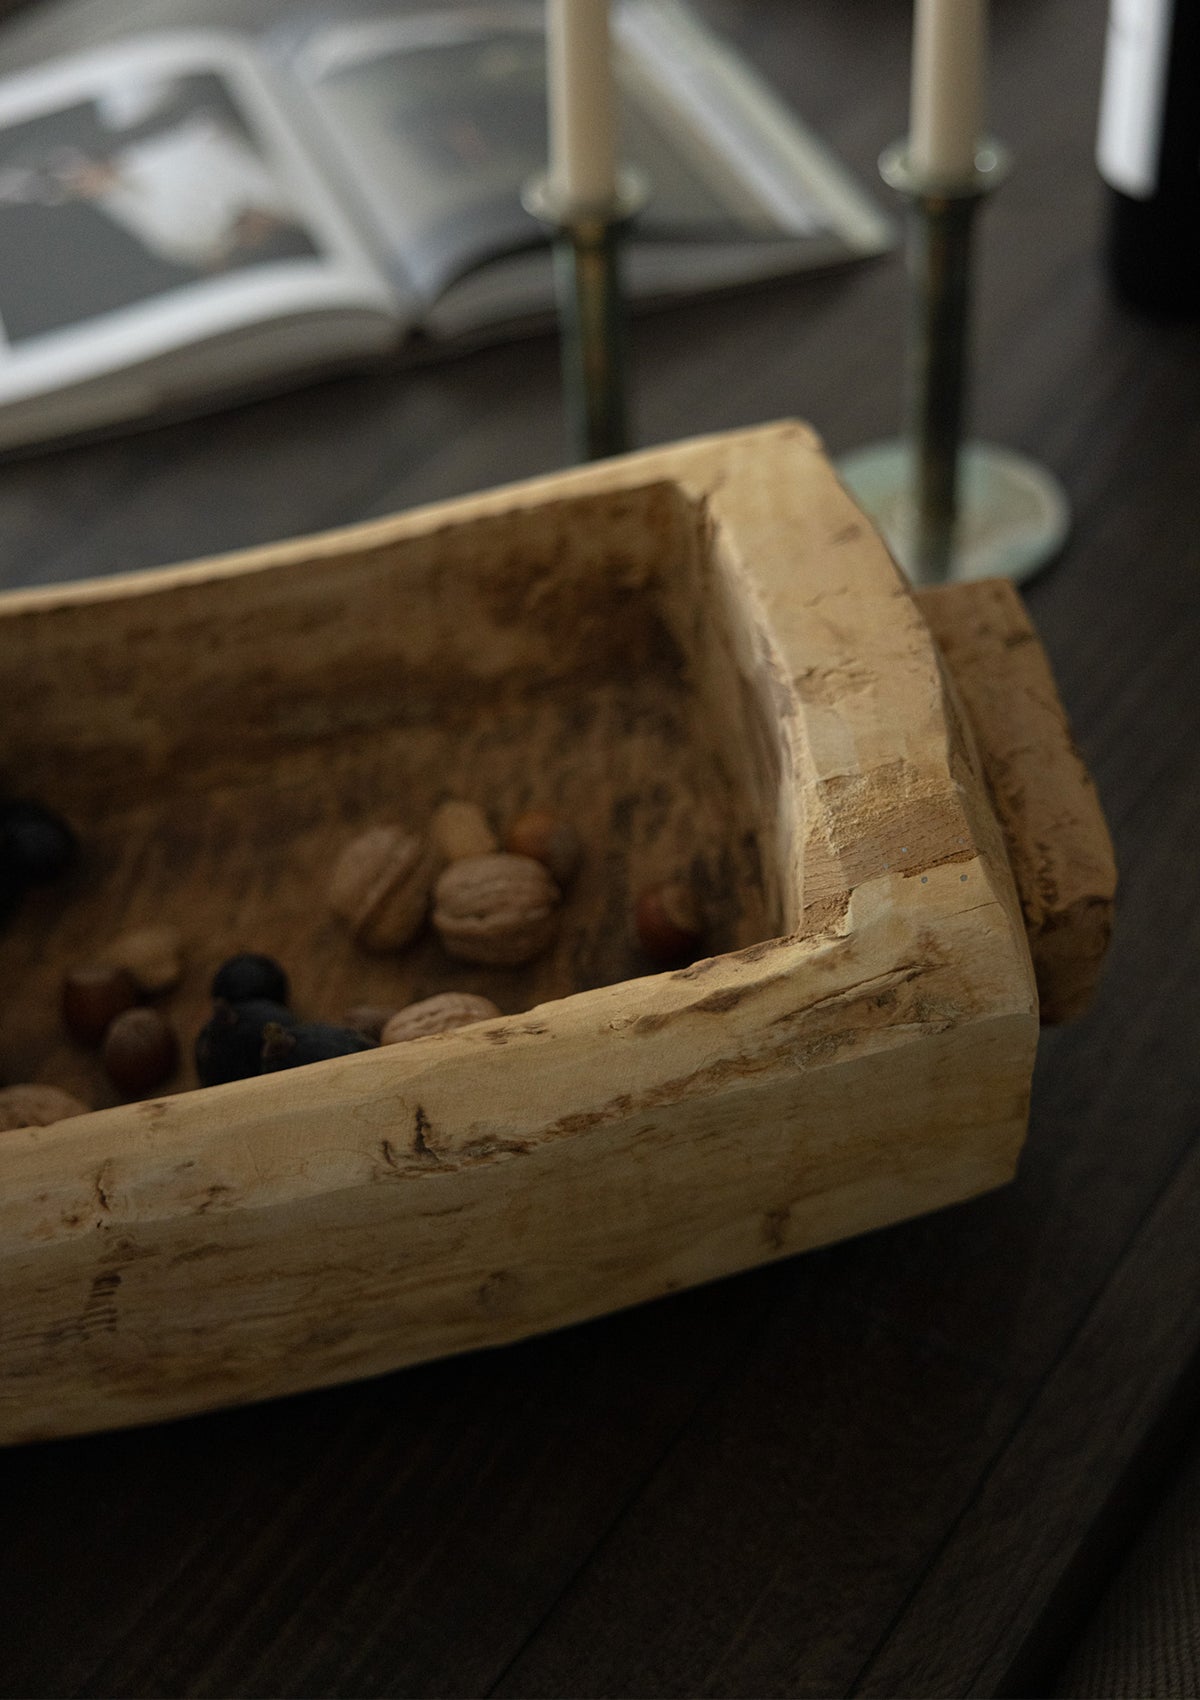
(1050, 813)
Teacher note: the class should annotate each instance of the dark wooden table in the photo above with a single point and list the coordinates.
(895, 1466)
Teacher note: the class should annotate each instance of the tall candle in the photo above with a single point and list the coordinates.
(583, 157)
(949, 41)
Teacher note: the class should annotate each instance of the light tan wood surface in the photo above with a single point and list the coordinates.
(1058, 840)
(705, 656)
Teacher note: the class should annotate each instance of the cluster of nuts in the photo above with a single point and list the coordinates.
(494, 904)
(253, 1031)
(103, 1004)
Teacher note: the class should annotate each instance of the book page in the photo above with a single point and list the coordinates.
(153, 196)
(438, 119)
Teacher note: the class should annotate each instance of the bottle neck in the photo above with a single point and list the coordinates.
(1149, 131)
(1179, 153)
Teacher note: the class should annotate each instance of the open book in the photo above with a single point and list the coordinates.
(187, 215)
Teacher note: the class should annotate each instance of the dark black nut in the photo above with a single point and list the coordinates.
(308, 1042)
(140, 1051)
(93, 996)
(12, 890)
(35, 843)
(248, 976)
(229, 1047)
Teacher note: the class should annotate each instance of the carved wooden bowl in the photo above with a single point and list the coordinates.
(704, 657)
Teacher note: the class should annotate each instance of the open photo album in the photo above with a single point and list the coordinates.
(190, 215)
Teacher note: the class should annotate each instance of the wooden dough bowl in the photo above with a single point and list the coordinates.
(704, 657)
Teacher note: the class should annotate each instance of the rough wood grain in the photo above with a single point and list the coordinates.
(1057, 838)
(861, 1052)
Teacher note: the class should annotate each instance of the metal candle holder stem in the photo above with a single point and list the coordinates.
(950, 511)
(591, 308)
(941, 226)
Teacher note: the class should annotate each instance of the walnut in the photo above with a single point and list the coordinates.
(381, 886)
(36, 1106)
(501, 910)
(461, 829)
(441, 1014)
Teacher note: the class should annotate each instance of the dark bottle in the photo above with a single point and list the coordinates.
(1148, 152)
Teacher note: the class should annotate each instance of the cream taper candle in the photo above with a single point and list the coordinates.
(949, 43)
(583, 156)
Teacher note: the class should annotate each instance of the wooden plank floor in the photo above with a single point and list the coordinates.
(896, 1466)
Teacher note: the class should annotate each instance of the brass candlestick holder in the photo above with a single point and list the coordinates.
(951, 511)
(591, 309)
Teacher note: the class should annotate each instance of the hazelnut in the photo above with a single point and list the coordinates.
(140, 1051)
(462, 829)
(36, 1106)
(248, 977)
(668, 923)
(548, 838)
(501, 910)
(441, 1014)
(381, 886)
(94, 996)
(152, 955)
(369, 1019)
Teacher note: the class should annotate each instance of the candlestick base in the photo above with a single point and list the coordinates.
(1012, 520)
(951, 510)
